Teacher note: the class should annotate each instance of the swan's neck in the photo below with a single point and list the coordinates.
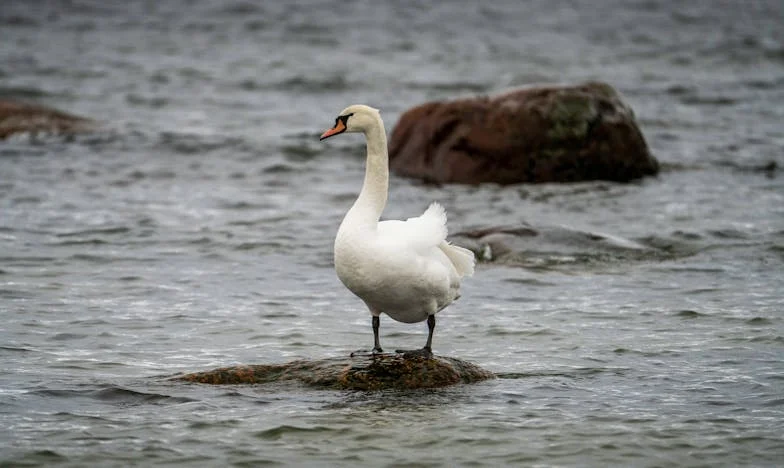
(373, 197)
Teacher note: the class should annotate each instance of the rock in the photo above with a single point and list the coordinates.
(365, 372)
(544, 134)
(17, 117)
(551, 246)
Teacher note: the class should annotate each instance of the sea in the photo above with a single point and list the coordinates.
(194, 230)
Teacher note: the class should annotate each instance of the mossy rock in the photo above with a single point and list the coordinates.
(363, 372)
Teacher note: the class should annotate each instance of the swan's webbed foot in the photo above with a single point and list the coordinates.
(425, 352)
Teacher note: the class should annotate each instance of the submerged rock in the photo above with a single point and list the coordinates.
(544, 134)
(552, 246)
(365, 372)
(17, 117)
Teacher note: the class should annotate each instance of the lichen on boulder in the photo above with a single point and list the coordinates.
(539, 134)
(359, 372)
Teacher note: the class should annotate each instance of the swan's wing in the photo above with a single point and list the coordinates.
(426, 235)
(420, 233)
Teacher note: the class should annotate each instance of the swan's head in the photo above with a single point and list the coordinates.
(357, 118)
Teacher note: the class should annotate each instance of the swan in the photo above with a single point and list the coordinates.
(405, 269)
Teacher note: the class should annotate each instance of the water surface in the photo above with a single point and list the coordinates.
(196, 231)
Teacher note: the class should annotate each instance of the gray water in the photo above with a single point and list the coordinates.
(196, 230)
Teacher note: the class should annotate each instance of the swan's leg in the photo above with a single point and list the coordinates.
(376, 344)
(431, 325)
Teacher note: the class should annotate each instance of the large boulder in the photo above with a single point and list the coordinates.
(359, 372)
(542, 134)
(18, 117)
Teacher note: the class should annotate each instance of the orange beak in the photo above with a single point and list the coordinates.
(339, 127)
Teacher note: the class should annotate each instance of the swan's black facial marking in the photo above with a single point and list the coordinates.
(343, 118)
(341, 123)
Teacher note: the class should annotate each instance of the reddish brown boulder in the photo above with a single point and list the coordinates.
(17, 117)
(544, 134)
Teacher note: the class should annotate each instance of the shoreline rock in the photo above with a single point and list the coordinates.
(364, 372)
(541, 134)
(18, 117)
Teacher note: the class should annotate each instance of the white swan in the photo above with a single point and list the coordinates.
(405, 269)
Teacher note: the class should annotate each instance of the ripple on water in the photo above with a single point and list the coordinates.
(279, 432)
(689, 314)
(11, 293)
(44, 457)
(112, 394)
(496, 330)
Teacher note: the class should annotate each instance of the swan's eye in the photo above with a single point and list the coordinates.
(343, 118)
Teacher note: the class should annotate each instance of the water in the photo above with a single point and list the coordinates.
(196, 232)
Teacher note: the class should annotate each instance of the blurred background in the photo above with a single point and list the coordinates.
(195, 230)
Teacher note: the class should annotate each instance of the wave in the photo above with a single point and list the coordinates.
(113, 394)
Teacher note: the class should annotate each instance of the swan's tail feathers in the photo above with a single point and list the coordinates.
(437, 215)
(431, 225)
(462, 259)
